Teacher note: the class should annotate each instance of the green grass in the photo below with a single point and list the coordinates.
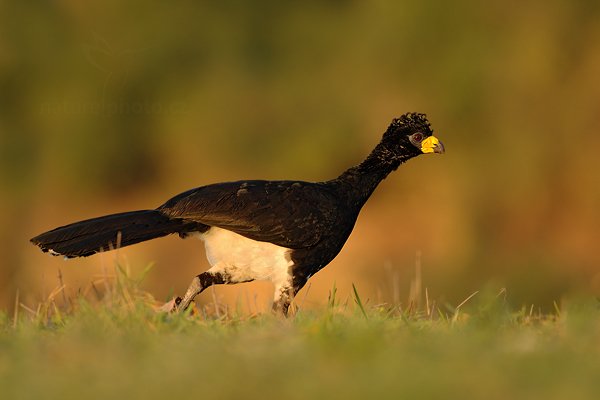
(115, 345)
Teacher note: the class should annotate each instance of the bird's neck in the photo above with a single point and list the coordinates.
(360, 181)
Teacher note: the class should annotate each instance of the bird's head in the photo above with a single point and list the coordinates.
(411, 135)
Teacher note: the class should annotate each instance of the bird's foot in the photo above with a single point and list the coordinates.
(171, 306)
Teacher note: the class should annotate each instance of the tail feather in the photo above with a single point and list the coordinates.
(84, 238)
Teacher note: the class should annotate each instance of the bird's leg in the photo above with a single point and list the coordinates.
(199, 283)
(283, 299)
(195, 288)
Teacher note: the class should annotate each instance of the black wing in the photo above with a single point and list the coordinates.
(287, 213)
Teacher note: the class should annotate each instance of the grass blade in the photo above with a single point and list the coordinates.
(358, 301)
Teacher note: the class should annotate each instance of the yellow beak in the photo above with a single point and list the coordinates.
(432, 145)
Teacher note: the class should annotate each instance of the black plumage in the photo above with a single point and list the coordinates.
(310, 220)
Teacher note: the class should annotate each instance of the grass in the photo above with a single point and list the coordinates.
(111, 343)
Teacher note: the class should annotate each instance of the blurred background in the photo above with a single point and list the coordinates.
(110, 106)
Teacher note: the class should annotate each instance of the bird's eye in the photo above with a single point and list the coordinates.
(417, 137)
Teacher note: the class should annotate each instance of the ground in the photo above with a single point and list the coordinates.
(120, 347)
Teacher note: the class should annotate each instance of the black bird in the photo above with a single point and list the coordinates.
(281, 231)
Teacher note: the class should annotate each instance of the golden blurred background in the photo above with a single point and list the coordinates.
(110, 106)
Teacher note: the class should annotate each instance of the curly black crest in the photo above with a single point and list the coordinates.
(412, 122)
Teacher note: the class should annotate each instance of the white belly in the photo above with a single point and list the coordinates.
(243, 259)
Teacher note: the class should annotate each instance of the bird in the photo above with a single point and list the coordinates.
(283, 231)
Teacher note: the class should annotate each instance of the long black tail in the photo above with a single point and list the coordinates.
(84, 238)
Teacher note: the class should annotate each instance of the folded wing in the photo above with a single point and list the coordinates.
(291, 214)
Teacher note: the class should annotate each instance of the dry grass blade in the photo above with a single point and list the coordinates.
(16, 310)
(457, 309)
